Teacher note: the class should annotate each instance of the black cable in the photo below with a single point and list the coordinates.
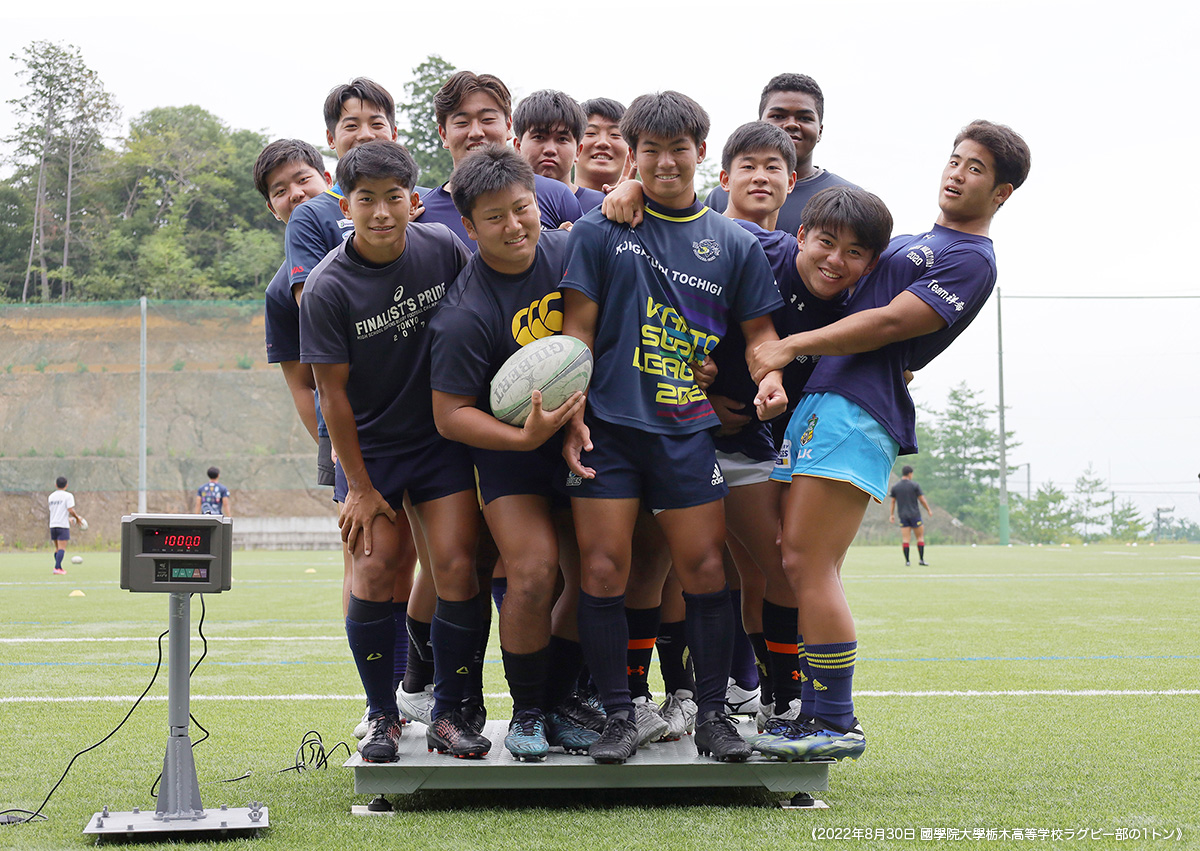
(314, 747)
(150, 685)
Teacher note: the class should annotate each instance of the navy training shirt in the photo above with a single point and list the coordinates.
(790, 217)
(377, 321)
(951, 271)
(555, 203)
(667, 292)
(589, 199)
(801, 311)
(314, 229)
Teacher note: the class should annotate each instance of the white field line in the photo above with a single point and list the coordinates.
(255, 698)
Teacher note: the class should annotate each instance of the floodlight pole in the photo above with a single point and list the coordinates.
(1003, 448)
(142, 418)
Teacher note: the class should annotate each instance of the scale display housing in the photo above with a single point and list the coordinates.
(176, 553)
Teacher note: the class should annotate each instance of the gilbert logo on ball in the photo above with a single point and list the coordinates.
(557, 366)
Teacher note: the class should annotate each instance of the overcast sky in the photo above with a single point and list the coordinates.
(1100, 92)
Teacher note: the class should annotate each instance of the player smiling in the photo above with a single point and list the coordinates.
(472, 111)
(652, 303)
(845, 435)
(515, 274)
(364, 321)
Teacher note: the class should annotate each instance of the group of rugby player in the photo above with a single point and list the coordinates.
(749, 398)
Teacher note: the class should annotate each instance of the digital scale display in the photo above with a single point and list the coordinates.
(183, 541)
(176, 553)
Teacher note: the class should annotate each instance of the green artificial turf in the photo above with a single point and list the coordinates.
(955, 660)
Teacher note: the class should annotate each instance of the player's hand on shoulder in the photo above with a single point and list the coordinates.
(358, 512)
(771, 400)
(730, 412)
(541, 424)
(577, 439)
(625, 203)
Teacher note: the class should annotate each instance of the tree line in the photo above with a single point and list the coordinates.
(167, 210)
(959, 470)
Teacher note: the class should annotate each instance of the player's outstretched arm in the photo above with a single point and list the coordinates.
(771, 400)
(301, 384)
(905, 317)
(580, 315)
(458, 419)
(363, 502)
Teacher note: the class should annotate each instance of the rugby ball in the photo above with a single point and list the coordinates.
(82, 524)
(76, 559)
(557, 365)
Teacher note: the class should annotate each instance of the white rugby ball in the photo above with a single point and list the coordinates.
(82, 524)
(557, 365)
(76, 559)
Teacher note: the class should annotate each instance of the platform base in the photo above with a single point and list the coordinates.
(660, 765)
(231, 821)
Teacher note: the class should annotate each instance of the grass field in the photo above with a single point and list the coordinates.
(1002, 689)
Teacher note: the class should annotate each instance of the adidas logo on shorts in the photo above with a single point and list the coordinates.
(718, 478)
(574, 480)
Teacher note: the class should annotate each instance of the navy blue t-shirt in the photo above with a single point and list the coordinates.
(951, 271)
(486, 317)
(377, 321)
(555, 203)
(789, 214)
(314, 229)
(801, 311)
(667, 292)
(282, 319)
(589, 199)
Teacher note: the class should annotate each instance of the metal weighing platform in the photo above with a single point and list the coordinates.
(660, 765)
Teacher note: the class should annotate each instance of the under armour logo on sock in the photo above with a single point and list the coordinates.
(640, 670)
(797, 676)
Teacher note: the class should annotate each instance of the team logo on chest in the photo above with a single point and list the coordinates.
(541, 319)
(707, 250)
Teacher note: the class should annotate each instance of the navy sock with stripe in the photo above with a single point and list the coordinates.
(832, 668)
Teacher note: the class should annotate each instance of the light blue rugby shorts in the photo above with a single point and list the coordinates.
(830, 437)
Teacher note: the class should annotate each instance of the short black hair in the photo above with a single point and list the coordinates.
(461, 85)
(905, 470)
(611, 109)
(281, 152)
(488, 169)
(1008, 149)
(361, 88)
(60, 482)
(847, 208)
(547, 110)
(373, 160)
(666, 115)
(793, 83)
(214, 472)
(757, 136)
